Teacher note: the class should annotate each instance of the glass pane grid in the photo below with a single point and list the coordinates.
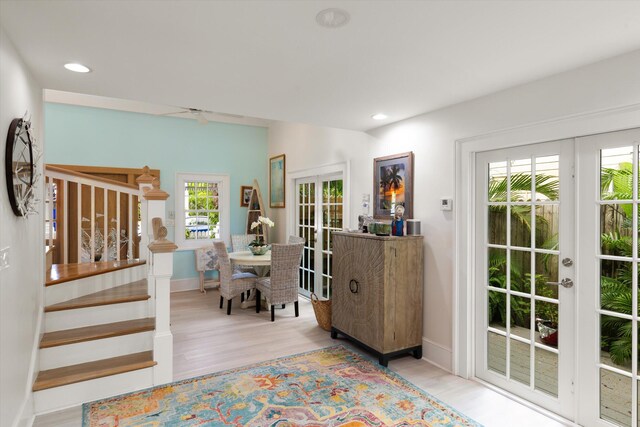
(523, 212)
(618, 296)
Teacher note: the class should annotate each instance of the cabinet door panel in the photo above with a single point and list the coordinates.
(359, 268)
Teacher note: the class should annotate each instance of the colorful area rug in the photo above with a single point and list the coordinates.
(328, 387)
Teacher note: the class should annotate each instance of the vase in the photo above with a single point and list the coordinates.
(259, 250)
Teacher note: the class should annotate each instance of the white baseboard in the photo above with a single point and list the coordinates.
(188, 284)
(437, 355)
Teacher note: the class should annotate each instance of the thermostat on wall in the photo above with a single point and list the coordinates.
(446, 204)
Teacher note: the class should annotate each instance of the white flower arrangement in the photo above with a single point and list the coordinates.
(261, 222)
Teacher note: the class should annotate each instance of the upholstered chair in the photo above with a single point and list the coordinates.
(239, 243)
(295, 239)
(282, 286)
(231, 284)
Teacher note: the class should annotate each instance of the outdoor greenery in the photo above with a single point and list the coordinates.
(521, 225)
(616, 240)
(203, 197)
(616, 276)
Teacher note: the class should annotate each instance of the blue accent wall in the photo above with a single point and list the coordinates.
(100, 137)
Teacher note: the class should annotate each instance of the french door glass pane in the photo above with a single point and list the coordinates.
(522, 231)
(616, 173)
(546, 271)
(615, 397)
(498, 182)
(618, 283)
(521, 184)
(497, 225)
(547, 183)
(497, 352)
(546, 373)
(520, 361)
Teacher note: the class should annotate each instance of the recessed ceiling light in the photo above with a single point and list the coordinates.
(333, 18)
(78, 68)
(379, 116)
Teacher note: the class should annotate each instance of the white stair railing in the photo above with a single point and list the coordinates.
(102, 228)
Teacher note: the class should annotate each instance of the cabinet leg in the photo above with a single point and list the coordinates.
(417, 353)
(334, 333)
(383, 361)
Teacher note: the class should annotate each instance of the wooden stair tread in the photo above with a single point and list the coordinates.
(60, 273)
(96, 332)
(134, 291)
(92, 370)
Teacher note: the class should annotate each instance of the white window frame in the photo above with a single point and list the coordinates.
(224, 200)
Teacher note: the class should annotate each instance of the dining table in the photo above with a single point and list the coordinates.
(260, 263)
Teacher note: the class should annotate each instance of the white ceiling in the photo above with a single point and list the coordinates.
(270, 60)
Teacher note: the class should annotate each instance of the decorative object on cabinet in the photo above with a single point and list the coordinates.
(277, 168)
(413, 227)
(255, 211)
(245, 195)
(377, 293)
(21, 167)
(393, 184)
(397, 225)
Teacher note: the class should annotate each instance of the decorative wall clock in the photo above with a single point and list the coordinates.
(21, 167)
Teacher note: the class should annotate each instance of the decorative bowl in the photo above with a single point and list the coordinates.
(259, 250)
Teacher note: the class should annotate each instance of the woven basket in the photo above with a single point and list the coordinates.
(322, 309)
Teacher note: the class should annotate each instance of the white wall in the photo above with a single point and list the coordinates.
(307, 147)
(21, 284)
(601, 86)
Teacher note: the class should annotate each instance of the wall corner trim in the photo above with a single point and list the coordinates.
(438, 355)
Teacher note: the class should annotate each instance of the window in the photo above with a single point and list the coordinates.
(202, 209)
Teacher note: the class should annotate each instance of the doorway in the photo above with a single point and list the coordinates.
(556, 258)
(319, 211)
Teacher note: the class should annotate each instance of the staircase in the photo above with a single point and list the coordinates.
(106, 324)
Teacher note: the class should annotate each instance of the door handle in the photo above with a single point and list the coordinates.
(567, 283)
(353, 286)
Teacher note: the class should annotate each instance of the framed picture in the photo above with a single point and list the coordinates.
(245, 195)
(393, 185)
(276, 181)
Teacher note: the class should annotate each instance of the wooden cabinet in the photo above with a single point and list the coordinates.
(377, 292)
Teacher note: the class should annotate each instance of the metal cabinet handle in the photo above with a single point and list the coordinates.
(353, 286)
(567, 283)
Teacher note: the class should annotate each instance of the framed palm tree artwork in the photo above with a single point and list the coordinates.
(393, 185)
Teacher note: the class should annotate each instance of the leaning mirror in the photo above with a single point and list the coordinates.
(19, 166)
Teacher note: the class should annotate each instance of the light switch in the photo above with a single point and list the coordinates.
(4, 258)
(446, 204)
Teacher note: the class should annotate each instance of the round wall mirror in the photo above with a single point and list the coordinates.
(19, 166)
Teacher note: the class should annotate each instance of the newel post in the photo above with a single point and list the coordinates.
(144, 184)
(160, 272)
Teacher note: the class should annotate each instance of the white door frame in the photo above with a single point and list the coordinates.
(335, 168)
(549, 130)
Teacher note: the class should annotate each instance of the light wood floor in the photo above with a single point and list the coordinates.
(207, 340)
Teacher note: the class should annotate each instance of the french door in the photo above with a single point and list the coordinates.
(608, 326)
(557, 312)
(319, 212)
(525, 273)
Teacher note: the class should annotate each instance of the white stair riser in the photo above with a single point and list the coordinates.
(88, 285)
(89, 316)
(73, 354)
(56, 398)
